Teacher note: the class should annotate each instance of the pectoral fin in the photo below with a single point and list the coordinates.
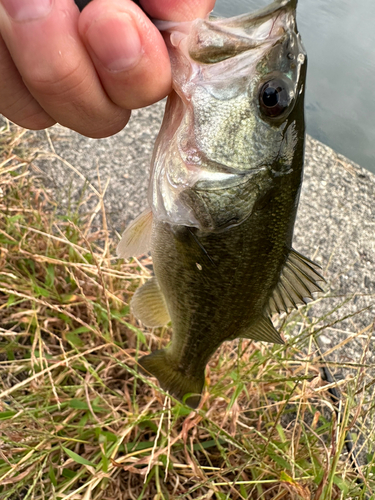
(136, 239)
(298, 280)
(149, 306)
(264, 330)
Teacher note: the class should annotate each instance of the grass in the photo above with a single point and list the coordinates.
(78, 420)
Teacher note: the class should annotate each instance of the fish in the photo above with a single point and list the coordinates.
(225, 181)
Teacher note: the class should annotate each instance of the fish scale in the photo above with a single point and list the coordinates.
(225, 180)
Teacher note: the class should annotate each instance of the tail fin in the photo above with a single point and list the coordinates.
(171, 379)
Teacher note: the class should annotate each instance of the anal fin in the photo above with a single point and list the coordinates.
(299, 279)
(149, 306)
(263, 330)
(136, 239)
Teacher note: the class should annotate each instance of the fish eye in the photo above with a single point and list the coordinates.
(274, 98)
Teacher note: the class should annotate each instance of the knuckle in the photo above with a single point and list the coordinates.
(55, 80)
(23, 110)
(30, 119)
(36, 121)
(71, 95)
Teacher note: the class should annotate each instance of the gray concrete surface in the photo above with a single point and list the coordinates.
(335, 224)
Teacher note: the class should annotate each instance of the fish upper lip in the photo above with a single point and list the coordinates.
(260, 15)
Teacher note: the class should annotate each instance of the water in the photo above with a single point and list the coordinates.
(339, 38)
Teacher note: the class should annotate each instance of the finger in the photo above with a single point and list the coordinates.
(177, 10)
(43, 40)
(16, 102)
(128, 51)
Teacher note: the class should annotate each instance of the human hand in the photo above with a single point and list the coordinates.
(85, 70)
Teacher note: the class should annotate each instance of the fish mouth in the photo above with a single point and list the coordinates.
(213, 40)
(263, 14)
(252, 20)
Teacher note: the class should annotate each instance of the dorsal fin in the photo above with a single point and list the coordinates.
(298, 280)
(148, 304)
(136, 239)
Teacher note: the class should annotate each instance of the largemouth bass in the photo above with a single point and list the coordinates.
(224, 189)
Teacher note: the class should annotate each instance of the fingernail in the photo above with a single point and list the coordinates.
(120, 51)
(27, 10)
